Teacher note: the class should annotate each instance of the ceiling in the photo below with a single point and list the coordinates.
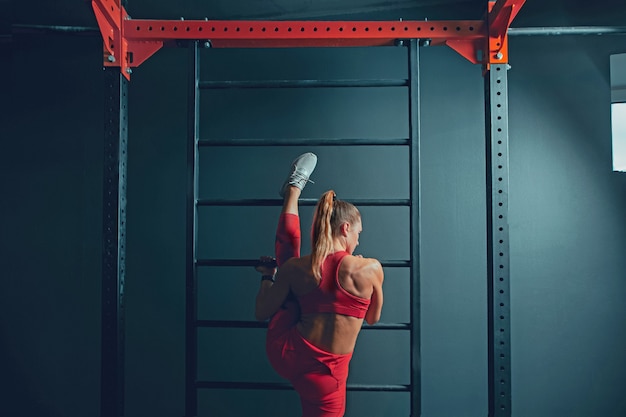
(78, 13)
(300, 9)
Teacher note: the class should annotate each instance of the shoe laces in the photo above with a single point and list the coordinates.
(300, 176)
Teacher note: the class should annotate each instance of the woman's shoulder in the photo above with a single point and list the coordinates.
(360, 260)
(299, 274)
(297, 264)
(359, 264)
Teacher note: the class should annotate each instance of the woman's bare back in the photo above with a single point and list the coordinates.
(335, 333)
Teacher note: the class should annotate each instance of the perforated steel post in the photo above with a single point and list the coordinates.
(497, 170)
(114, 244)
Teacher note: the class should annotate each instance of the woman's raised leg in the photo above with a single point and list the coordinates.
(288, 235)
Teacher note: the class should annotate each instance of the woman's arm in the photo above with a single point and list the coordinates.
(376, 304)
(271, 295)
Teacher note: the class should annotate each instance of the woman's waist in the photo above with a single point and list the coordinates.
(331, 332)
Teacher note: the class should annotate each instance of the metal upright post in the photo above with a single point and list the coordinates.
(414, 161)
(497, 170)
(191, 358)
(114, 244)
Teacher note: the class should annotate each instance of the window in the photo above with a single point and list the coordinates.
(618, 111)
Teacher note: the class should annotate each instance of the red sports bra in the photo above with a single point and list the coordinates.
(330, 296)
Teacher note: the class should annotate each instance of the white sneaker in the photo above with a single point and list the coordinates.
(301, 169)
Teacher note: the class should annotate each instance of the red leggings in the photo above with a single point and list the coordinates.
(319, 377)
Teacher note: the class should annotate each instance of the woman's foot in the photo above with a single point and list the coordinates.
(301, 169)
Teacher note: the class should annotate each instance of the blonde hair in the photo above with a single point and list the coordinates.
(328, 217)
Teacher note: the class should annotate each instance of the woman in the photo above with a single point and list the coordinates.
(317, 303)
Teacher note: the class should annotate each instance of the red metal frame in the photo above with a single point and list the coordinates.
(129, 42)
(500, 16)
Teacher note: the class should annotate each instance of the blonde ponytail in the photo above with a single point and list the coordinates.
(328, 217)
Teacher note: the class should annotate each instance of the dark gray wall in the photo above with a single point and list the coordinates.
(50, 227)
(568, 232)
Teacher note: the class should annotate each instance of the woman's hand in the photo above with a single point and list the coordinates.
(266, 265)
(272, 293)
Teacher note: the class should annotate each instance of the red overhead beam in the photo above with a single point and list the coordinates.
(129, 42)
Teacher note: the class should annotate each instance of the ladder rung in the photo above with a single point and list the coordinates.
(387, 326)
(303, 202)
(236, 324)
(302, 84)
(243, 385)
(368, 387)
(254, 262)
(285, 386)
(231, 324)
(305, 142)
(227, 262)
